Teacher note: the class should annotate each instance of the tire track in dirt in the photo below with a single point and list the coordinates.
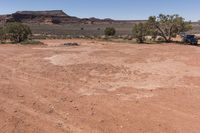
(21, 80)
(9, 104)
(59, 114)
(15, 71)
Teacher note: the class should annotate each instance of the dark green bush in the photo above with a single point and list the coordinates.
(110, 31)
(17, 32)
(139, 32)
(2, 35)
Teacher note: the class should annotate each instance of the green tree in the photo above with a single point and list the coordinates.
(140, 31)
(18, 32)
(168, 26)
(110, 31)
(2, 34)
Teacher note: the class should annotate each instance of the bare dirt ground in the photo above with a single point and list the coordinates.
(99, 87)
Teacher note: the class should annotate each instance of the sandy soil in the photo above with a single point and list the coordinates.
(99, 87)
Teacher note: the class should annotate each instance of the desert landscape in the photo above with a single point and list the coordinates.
(99, 87)
(112, 66)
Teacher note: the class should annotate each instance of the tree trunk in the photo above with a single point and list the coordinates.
(162, 33)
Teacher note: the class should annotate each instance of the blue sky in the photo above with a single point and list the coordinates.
(115, 9)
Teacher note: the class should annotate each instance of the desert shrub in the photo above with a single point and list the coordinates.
(139, 32)
(2, 35)
(110, 31)
(17, 32)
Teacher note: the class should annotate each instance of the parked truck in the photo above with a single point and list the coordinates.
(191, 39)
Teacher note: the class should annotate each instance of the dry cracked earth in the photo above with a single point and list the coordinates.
(99, 87)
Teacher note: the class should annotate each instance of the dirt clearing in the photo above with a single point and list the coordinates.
(99, 87)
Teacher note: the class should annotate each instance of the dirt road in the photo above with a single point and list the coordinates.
(99, 87)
